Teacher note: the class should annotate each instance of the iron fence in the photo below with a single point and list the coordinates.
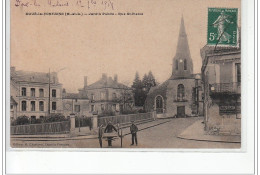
(124, 118)
(234, 87)
(44, 128)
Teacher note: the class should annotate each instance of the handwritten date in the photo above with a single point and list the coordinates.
(90, 4)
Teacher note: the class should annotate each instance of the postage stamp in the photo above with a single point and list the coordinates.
(222, 27)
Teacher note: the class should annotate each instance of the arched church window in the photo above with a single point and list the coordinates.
(180, 92)
(176, 64)
(185, 64)
(159, 104)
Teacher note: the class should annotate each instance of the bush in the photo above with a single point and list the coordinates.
(141, 111)
(129, 111)
(21, 120)
(55, 118)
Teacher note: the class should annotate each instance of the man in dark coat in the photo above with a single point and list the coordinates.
(110, 129)
(133, 130)
(100, 134)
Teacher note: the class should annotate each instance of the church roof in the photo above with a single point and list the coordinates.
(183, 50)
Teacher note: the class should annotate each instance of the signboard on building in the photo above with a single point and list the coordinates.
(229, 109)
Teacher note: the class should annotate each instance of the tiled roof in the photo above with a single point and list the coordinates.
(73, 96)
(107, 83)
(26, 76)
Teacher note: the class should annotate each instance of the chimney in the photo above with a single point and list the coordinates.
(104, 76)
(85, 81)
(115, 78)
(110, 78)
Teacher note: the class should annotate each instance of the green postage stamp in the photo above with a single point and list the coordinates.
(222, 27)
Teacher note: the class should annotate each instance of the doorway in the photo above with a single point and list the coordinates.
(180, 111)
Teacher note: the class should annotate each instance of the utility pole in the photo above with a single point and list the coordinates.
(49, 104)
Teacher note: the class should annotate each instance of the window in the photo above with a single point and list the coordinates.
(102, 107)
(92, 108)
(102, 95)
(92, 97)
(41, 106)
(176, 64)
(77, 108)
(185, 64)
(12, 106)
(238, 72)
(180, 92)
(32, 92)
(41, 93)
(23, 91)
(114, 96)
(41, 117)
(53, 106)
(53, 92)
(114, 107)
(23, 105)
(32, 105)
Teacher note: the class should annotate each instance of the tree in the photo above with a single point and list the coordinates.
(137, 89)
(151, 80)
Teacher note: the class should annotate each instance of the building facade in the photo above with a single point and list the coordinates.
(34, 94)
(180, 95)
(76, 104)
(107, 95)
(221, 74)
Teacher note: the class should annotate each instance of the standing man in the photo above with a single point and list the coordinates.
(133, 130)
(110, 129)
(100, 134)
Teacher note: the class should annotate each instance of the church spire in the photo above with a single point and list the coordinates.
(182, 62)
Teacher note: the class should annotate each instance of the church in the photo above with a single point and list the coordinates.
(181, 94)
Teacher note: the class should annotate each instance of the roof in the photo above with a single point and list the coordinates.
(160, 89)
(36, 77)
(107, 83)
(73, 96)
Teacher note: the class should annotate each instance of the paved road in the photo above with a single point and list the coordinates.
(156, 134)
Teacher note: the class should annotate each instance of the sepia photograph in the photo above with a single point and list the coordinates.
(142, 74)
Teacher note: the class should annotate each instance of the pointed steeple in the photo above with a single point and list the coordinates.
(182, 62)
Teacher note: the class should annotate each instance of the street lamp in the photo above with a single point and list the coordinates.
(197, 78)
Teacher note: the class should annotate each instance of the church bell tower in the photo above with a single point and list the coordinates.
(182, 62)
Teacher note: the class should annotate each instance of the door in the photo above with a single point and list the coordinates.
(181, 111)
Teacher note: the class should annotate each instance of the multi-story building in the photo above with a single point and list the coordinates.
(75, 103)
(34, 94)
(221, 75)
(180, 95)
(107, 94)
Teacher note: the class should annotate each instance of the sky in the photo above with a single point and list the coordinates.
(78, 46)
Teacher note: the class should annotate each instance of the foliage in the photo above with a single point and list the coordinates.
(129, 111)
(106, 113)
(141, 88)
(55, 118)
(141, 111)
(21, 120)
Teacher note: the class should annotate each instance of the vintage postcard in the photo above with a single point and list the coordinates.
(125, 74)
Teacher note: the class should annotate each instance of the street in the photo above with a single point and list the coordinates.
(157, 134)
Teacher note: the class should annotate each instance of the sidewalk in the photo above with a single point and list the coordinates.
(196, 132)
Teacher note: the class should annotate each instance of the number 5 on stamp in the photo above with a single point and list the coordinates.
(222, 27)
